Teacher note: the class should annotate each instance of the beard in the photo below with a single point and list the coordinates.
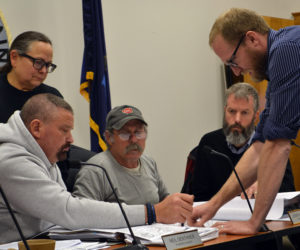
(63, 152)
(237, 138)
(259, 62)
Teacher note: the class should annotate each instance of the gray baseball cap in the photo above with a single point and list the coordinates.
(120, 115)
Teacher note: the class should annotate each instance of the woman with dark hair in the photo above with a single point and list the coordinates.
(29, 62)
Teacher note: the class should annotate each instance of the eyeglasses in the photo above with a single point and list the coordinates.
(140, 135)
(230, 62)
(40, 63)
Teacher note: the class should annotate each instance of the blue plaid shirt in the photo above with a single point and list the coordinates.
(281, 116)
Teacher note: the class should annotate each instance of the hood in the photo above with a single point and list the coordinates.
(15, 132)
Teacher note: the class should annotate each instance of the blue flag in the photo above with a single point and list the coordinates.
(94, 73)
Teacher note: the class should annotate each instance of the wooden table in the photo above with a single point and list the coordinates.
(226, 241)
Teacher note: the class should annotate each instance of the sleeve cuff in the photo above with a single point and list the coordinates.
(273, 131)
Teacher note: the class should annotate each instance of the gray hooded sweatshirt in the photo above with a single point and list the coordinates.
(37, 193)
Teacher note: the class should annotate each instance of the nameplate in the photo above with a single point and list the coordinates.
(294, 216)
(182, 240)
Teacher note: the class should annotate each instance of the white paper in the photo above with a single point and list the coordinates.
(151, 234)
(65, 245)
(238, 209)
(59, 245)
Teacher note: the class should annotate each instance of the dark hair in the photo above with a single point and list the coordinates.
(42, 107)
(22, 43)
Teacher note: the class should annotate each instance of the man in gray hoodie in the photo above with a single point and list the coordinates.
(31, 143)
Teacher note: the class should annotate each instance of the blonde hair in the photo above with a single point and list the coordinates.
(235, 23)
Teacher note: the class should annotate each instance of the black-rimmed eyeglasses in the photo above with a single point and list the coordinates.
(40, 63)
(230, 62)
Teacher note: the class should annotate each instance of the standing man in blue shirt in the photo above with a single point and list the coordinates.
(242, 39)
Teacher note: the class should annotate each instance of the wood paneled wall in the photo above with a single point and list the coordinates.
(277, 23)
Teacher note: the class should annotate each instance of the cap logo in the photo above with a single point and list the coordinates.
(127, 110)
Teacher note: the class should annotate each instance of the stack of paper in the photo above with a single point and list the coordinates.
(148, 234)
(59, 233)
(238, 209)
(152, 235)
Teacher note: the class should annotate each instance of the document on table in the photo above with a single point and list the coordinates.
(60, 233)
(152, 234)
(238, 209)
(148, 234)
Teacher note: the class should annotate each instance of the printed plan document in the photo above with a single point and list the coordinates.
(238, 209)
(148, 234)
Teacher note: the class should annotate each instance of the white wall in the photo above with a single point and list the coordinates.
(158, 58)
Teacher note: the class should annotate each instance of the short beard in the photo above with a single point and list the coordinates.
(62, 154)
(238, 138)
(259, 62)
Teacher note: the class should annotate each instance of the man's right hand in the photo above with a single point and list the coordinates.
(201, 214)
(174, 208)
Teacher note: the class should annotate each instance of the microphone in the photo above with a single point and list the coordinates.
(209, 150)
(136, 244)
(14, 218)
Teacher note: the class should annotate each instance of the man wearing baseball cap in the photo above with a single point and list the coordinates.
(134, 175)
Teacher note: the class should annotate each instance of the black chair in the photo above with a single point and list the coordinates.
(189, 170)
(70, 167)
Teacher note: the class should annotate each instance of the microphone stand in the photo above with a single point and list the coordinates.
(136, 244)
(264, 227)
(14, 218)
